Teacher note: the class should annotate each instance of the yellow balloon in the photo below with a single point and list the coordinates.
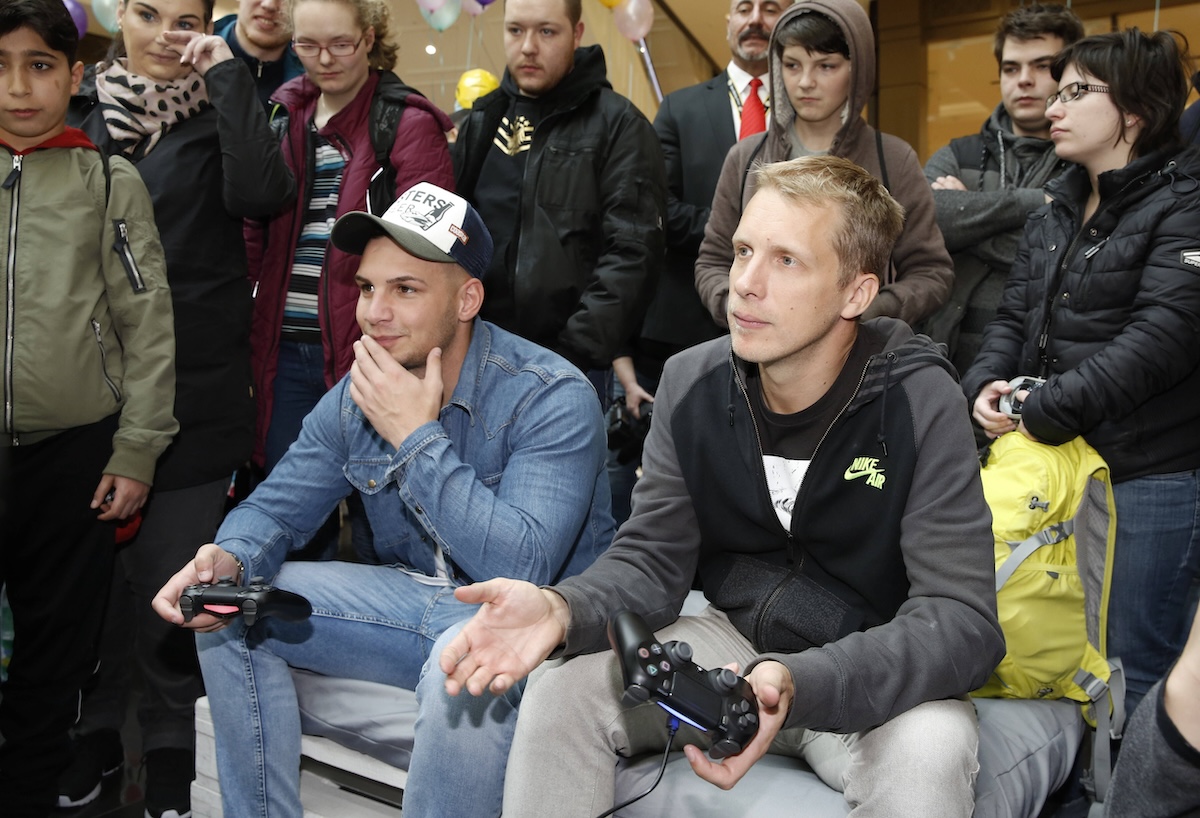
(474, 84)
(611, 4)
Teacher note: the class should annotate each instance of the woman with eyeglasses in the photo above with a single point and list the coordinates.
(1103, 302)
(172, 100)
(304, 325)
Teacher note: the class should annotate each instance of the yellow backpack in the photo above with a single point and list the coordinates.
(1054, 524)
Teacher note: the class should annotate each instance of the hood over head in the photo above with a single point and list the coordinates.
(855, 26)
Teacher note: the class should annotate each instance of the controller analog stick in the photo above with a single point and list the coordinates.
(723, 680)
(680, 652)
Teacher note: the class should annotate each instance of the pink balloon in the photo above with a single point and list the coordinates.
(473, 7)
(430, 5)
(634, 18)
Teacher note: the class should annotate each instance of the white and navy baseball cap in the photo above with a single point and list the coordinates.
(427, 221)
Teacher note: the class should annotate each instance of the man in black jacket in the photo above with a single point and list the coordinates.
(568, 176)
(986, 184)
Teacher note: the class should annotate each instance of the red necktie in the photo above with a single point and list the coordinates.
(754, 115)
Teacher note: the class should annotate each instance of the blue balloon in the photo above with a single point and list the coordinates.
(445, 16)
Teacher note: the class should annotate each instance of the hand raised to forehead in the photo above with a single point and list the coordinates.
(201, 51)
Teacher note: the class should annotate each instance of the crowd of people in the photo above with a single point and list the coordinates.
(248, 246)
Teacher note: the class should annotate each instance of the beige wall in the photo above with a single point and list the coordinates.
(962, 86)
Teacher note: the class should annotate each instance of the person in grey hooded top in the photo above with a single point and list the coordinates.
(822, 61)
(986, 184)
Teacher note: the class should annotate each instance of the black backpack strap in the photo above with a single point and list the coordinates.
(387, 106)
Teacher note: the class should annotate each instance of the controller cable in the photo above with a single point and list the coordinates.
(673, 727)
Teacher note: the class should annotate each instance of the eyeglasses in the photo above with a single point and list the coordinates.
(1072, 92)
(342, 49)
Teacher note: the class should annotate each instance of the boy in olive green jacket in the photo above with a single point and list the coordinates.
(87, 387)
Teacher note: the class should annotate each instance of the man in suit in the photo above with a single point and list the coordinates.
(697, 126)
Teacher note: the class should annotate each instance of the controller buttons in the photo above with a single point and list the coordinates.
(652, 670)
(643, 653)
(656, 649)
(665, 666)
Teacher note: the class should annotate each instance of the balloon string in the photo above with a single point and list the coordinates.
(649, 63)
(470, 41)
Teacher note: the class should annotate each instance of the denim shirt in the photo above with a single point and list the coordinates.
(509, 481)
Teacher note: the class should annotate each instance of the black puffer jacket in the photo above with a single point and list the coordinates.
(204, 177)
(1109, 313)
(592, 205)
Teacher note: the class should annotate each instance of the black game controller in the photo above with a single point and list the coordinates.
(226, 600)
(716, 701)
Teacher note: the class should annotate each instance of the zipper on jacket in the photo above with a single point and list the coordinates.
(10, 276)
(1095, 248)
(1052, 292)
(14, 174)
(795, 562)
(125, 253)
(104, 359)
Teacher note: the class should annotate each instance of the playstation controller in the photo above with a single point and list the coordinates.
(1011, 405)
(718, 701)
(225, 600)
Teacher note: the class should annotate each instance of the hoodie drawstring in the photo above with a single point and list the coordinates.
(881, 438)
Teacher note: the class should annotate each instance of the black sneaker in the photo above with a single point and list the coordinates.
(98, 756)
(169, 774)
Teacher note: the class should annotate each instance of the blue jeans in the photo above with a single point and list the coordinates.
(299, 385)
(369, 622)
(1157, 559)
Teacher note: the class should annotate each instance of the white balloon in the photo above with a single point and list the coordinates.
(633, 18)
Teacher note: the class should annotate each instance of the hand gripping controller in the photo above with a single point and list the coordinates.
(717, 701)
(226, 600)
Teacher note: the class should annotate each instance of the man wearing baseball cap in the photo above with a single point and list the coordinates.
(477, 454)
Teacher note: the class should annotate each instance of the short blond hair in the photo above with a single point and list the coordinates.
(871, 220)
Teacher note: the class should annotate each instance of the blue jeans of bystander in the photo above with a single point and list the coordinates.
(1156, 562)
(371, 622)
